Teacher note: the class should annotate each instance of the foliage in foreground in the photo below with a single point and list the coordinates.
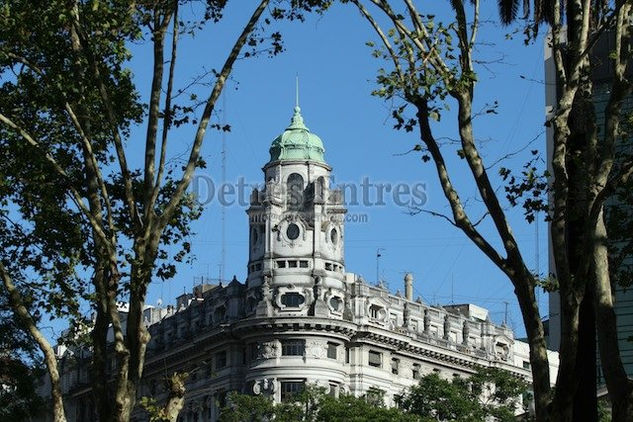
(490, 394)
(18, 397)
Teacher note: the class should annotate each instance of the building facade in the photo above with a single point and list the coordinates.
(300, 317)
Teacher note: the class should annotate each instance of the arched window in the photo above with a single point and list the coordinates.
(294, 191)
(320, 189)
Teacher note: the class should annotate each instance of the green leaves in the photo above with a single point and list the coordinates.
(312, 405)
(489, 393)
(529, 189)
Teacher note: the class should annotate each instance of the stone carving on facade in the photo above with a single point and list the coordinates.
(465, 333)
(406, 317)
(348, 315)
(447, 328)
(319, 307)
(331, 297)
(268, 350)
(264, 386)
(382, 315)
(427, 322)
(315, 349)
(253, 297)
(265, 305)
(303, 307)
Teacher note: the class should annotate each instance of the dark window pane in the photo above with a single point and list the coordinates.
(292, 300)
(332, 349)
(292, 347)
(290, 389)
(375, 359)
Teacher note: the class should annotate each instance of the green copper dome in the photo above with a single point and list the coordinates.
(297, 142)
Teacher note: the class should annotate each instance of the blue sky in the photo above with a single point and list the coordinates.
(337, 75)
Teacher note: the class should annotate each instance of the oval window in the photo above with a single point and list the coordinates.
(292, 231)
(334, 236)
(292, 300)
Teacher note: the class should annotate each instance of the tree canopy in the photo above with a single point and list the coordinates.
(488, 394)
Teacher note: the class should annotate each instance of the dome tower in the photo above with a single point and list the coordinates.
(296, 265)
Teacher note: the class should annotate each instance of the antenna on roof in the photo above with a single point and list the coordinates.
(378, 256)
(223, 208)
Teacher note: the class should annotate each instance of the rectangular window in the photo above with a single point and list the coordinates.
(333, 389)
(303, 264)
(374, 311)
(328, 266)
(416, 371)
(526, 364)
(347, 355)
(332, 349)
(281, 264)
(292, 264)
(395, 366)
(293, 347)
(220, 360)
(375, 359)
(289, 389)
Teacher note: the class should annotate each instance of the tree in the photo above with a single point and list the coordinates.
(313, 404)
(75, 213)
(431, 66)
(19, 400)
(489, 394)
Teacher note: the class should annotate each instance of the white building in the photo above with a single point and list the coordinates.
(300, 317)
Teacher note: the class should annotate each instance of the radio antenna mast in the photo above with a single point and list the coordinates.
(223, 207)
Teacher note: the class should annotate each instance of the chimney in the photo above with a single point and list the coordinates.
(408, 286)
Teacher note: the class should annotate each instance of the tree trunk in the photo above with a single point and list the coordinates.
(585, 399)
(567, 380)
(538, 347)
(176, 398)
(619, 386)
(59, 414)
